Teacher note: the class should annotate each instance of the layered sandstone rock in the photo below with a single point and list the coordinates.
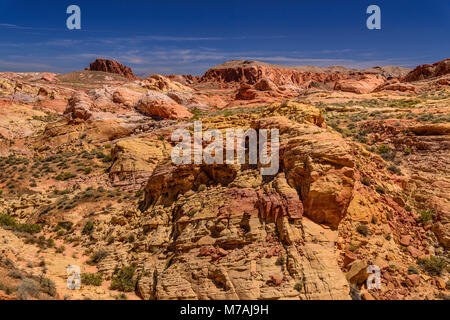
(164, 84)
(298, 112)
(318, 164)
(49, 77)
(250, 72)
(79, 107)
(427, 71)
(265, 90)
(112, 66)
(134, 161)
(396, 85)
(66, 132)
(160, 105)
(126, 97)
(236, 242)
(238, 235)
(364, 84)
(370, 189)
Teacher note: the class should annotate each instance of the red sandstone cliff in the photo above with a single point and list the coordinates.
(112, 66)
(427, 71)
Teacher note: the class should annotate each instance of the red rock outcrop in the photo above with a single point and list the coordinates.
(251, 74)
(264, 89)
(159, 105)
(112, 66)
(184, 79)
(160, 83)
(79, 107)
(50, 77)
(364, 84)
(318, 164)
(427, 71)
(396, 85)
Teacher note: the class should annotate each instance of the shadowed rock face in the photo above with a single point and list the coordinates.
(112, 66)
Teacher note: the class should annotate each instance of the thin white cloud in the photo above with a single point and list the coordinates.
(14, 26)
(6, 65)
(294, 60)
(7, 25)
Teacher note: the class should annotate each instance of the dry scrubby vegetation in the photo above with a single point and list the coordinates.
(124, 279)
(8, 222)
(26, 286)
(61, 200)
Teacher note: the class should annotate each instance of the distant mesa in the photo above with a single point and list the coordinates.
(112, 66)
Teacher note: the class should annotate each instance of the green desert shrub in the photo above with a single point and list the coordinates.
(407, 151)
(412, 270)
(60, 249)
(383, 148)
(433, 266)
(65, 176)
(16, 274)
(98, 256)
(64, 225)
(366, 181)
(298, 286)
(8, 222)
(425, 216)
(363, 229)
(88, 228)
(107, 158)
(92, 279)
(394, 169)
(47, 286)
(124, 280)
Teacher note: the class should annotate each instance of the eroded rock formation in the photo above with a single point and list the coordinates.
(112, 66)
(427, 71)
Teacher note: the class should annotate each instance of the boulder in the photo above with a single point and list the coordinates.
(365, 84)
(357, 273)
(127, 97)
(265, 85)
(79, 107)
(246, 92)
(49, 77)
(160, 105)
(442, 231)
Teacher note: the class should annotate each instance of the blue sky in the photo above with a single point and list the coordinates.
(188, 37)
